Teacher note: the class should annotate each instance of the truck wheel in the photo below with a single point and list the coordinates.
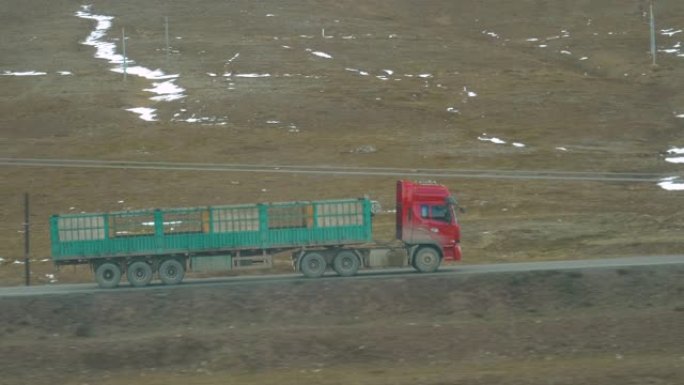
(139, 273)
(313, 265)
(171, 272)
(108, 275)
(346, 263)
(426, 259)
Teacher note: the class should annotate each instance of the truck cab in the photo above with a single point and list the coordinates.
(426, 222)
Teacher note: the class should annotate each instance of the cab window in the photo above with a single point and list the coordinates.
(435, 212)
(440, 213)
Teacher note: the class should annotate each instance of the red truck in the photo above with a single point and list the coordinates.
(318, 235)
(427, 224)
(427, 232)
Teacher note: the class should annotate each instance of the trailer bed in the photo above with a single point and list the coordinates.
(205, 230)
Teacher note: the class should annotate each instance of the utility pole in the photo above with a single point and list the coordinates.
(123, 44)
(27, 260)
(653, 42)
(166, 34)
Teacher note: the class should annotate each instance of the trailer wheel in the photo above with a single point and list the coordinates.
(426, 259)
(108, 275)
(139, 273)
(171, 272)
(313, 265)
(346, 263)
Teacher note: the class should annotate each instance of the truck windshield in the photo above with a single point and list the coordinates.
(441, 213)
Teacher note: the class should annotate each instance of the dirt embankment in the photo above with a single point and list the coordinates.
(608, 326)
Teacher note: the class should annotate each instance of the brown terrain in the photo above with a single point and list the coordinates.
(394, 83)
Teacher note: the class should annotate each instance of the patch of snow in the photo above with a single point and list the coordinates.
(494, 140)
(520, 145)
(425, 76)
(388, 72)
(453, 110)
(470, 94)
(252, 75)
(542, 46)
(670, 32)
(146, 114)
(204, 120)
(145, 73)
(237, 55)
(490, 33)
(24, 73)
(107, 50)
(360, 72)
(561, 149)
(104, 50)
(583, 58)
(270, 15)
(321, 54)
(675, 159)
(18, 262)
(213, 75)
(65, 73)
(166, 91)
(272, 121)
(564, 52)
(532, 39)
(671, 184)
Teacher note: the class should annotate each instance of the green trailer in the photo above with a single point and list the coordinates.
(168, 242)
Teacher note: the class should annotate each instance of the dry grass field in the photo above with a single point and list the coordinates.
(544, 85)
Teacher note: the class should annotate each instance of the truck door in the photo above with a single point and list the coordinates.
(435, 223)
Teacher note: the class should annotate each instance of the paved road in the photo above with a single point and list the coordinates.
(453, 270)
(338, 170)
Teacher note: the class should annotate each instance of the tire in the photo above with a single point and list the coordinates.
(346, 263)
(171, 272)
(426, 259)
(108, 275)
(139, 273)
(313, 265)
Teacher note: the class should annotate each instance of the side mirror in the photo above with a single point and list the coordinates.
(376, 208)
